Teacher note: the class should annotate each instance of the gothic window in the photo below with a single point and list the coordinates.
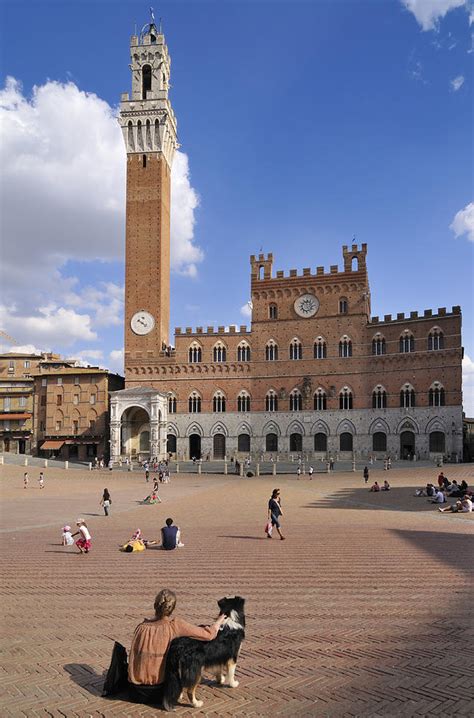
(139, 135)
(271, 442)
(219, 352)
(407, 343)
(296, 349)
(273, 311)
(195, 353)
(379, 398)
(407, 397)
(378, 345)
(243, 352)
(172, 403)
(243, 401)
(320, 400)
(194, 403)
(146, 80)
(218, 402)
(345, 441)
(319, 349)
(144, 161)
(345, 398)
(379, 441)
(345, 347)
(243, 443)
(130, 140)
(320, 442)
(436, 395)
(271, 401)
(271, 351)
(438, 442)
(435, 340)
(343, 305)
(296, 400)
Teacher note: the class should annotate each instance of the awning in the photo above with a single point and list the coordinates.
(51, 445)
(5, 417)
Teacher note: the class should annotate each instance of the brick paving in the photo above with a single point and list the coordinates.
(365, 609)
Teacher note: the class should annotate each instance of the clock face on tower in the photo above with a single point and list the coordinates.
(142, 323)
(306, 306)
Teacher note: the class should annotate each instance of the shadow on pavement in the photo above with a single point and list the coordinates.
(397, 499)
(251, 538)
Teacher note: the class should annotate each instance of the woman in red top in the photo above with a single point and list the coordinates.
(150, 643)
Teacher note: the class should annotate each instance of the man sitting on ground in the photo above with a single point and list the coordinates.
(170, 536)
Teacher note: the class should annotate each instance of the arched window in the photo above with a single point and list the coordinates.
(319, 349)
(271, 401)
(218, 402)
(354, 264)
(296, 401)
(243, 352)
(407, 397)
(343, 305)
(146, 80)
(271, 351)
(379, 398)
(345, 398)
(345, 441)
(345, 347)
(219, 353)
(172, 404)
(171, 444)
(139, 135)
(379, 441)
(296, 349)
(436, 395)
(130, 140)
(407, 343)
(195, 353)
(378, 345)
(435, 340)
(320, 442)
(273, 311)
(438, 442)
(243, 401)
(320, 400)
(296, 442)
(194, 403)
(271, 442)
(243, 443)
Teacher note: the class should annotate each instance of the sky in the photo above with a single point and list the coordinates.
(302, 125)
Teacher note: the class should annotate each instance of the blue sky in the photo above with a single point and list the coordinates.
(303, 123)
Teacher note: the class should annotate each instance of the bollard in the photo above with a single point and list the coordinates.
(274, 469)
(1, 460)
(90, 465)
(241, 469)
(257, 469)
(176, 471)
(199, 467)
(66, 464)
(225, 468)
(328, 467)
(353, 465)
(45, 463)
(25, 461)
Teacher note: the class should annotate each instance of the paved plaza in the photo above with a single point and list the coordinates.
(365, 609)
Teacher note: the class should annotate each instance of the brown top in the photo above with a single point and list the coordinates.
(150, 643)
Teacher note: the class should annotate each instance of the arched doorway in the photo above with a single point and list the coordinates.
(135, 427)
(219, 446)
(345, 441)
(407, 445)
(194, 446)
(320, 442)
(437, 442)
(171, 444)
(296, 442)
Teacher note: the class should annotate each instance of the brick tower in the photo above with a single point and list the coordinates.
(149, 131)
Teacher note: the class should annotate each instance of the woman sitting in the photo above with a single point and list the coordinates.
(375, 487)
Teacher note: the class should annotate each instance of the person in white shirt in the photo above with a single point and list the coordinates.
(67, 538)
(84, 542)
(463, 506)
(439, 497)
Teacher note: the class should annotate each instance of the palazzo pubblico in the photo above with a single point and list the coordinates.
(315, 373)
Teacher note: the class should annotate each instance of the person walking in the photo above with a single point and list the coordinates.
(106, 501)
(41, 480)
(366, 474)
(298, 472)
(310, 472)
(274, 512)
(147, 474)
(25, 480)
(84, 542)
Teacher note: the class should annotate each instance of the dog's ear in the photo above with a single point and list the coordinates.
(222, 603)
(239, 601)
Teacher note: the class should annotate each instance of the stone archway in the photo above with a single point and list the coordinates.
(135, 433)
(138, 423)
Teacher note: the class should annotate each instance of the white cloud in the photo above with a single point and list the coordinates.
(63, 198)
(93, 355)
(468, 385)
(115, 362)
(20, 348)
(457, 83)
(463, 222)
(246, 310)
(428, 13)
(51, 326)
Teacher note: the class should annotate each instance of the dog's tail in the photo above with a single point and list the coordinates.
(173, 684)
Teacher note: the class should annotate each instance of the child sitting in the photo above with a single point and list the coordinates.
(67, 539)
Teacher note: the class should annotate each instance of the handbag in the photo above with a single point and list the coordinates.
(268, 528)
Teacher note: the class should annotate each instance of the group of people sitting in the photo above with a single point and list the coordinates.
(170, 539)
(376, 486)
(448, 489)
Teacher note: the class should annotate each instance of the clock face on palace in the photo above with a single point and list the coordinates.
(142, 323)
(306, 306)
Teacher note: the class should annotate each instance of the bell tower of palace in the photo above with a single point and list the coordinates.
(149, 131)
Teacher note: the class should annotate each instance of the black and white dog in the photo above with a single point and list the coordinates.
(187, 657)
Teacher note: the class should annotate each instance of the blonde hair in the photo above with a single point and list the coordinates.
(165, 603)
